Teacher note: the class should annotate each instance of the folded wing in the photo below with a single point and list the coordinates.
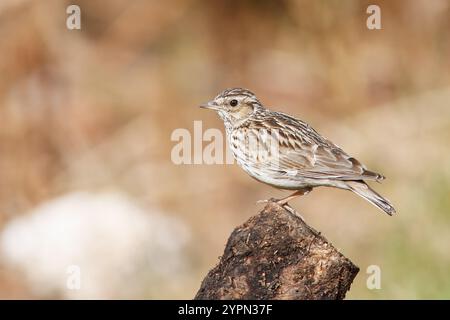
(305, 153)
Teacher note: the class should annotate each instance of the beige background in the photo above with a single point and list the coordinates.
(87, 115)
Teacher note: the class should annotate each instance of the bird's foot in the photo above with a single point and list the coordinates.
(267, 200)
(284, 201)
(284, 204)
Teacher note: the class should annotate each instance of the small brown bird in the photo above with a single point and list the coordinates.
(287, 153)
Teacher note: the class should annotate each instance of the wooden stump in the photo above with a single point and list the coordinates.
(276, 255)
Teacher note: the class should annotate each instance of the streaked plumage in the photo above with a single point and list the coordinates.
(287, 153)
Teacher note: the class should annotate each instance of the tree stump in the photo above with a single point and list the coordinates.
(276, 255)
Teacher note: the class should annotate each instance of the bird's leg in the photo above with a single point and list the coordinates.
(282, 202)
(296, 194)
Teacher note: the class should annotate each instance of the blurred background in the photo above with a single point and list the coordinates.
(87, 184)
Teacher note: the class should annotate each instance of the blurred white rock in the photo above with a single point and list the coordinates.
(120, 249)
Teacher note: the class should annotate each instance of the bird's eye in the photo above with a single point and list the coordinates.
(233, 103)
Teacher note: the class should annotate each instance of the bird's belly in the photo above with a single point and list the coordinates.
(272, 176)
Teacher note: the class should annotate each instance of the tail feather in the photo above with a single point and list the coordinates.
(364, 191)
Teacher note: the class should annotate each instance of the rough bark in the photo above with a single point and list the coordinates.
(276, 255)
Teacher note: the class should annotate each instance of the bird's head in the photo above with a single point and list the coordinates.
(234, 105)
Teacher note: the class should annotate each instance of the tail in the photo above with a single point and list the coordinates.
(364, 191)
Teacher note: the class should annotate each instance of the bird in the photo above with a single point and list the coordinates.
(287, 153)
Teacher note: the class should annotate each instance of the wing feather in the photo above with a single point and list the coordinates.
(305, 151)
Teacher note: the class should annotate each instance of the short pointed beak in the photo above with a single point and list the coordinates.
(210, 105)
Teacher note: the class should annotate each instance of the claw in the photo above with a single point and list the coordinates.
(280, 202)
(267, 200)
(283, 202)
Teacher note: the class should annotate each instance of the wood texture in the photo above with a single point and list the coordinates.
(276, 255)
